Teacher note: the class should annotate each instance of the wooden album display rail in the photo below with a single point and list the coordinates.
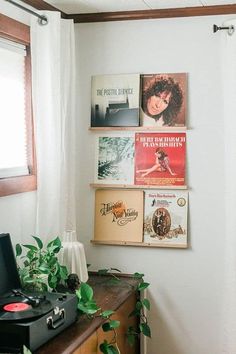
(160, 129)
(134, 186)
(137, 244)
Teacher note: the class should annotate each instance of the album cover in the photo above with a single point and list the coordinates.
(114, 159)
(163, 100)
(115, 100)
(165, 218)
(118, 215)
(160, 159)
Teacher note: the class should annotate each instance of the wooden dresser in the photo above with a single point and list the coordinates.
(85, 336)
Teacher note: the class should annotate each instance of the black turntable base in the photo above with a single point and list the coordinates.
(28, 319)
(22, 323)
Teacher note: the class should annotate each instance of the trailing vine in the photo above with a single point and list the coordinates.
(88, 306)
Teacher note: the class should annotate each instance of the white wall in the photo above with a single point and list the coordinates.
(17, 212)
(186, 285)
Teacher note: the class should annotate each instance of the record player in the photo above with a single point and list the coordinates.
(29, 319)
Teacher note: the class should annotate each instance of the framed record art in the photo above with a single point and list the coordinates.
(115, 100)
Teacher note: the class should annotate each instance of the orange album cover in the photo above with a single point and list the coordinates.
(160, 159)
(118, 215)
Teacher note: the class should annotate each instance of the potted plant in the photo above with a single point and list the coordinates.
(39, 267)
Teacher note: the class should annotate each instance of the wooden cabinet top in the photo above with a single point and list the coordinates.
(108, 296)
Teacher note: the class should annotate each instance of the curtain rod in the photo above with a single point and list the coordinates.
(41, 18)
(230, 29)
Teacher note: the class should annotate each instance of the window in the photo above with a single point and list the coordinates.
(17, 160)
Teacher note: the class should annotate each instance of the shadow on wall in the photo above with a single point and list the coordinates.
(163, 339)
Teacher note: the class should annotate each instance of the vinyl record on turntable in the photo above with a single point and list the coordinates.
(20, 310)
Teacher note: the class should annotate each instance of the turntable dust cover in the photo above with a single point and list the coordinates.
(118, 215)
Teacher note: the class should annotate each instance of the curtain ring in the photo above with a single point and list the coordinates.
(231, 30)
(43, 20)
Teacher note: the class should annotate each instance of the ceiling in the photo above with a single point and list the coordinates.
(96, 6)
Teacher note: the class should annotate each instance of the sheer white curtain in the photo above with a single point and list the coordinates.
(229, 79)
(53, 74)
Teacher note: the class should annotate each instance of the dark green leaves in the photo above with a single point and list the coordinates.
(145, 329)
(86, 303)
(108, 348)
(38, 262)
(109, 326)
(146, 303)
(85, 292)
(18, 250)
(107, 313)
(142, 286)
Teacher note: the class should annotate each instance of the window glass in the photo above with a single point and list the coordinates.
(13, 144)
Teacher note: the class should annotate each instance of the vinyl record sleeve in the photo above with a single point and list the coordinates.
(118, 215)
(170, 87)
(115, 100)
(165, 218)
(114, 159)
(160, 159)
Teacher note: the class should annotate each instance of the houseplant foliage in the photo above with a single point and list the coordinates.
(87, 305)
(39, 267)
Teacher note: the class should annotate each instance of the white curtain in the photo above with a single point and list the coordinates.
(53, 74)
(229, 290)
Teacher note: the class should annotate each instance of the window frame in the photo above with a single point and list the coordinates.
(20, 33)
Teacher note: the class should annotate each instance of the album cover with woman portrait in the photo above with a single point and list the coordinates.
(160, 159)
(115, 100)
(165, 218)
(118, 215)
(163, 100)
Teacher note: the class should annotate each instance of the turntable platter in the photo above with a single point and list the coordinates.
(18, 309)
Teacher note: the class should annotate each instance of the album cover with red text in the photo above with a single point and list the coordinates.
(160, 159)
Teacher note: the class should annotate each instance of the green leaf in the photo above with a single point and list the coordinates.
(143, 286)
(31, 247)
(117, 270)
(112, 350)
(104, 347)
(146, 303)
(138, 275)
(44, 269)
(131, 339)
(63, 272)
(134, 313)
(39, 242)
(52, 281)
(138, 305)
(145, 329)
(88, 308)
(85, 292)
(18, 250)
(54, 245)
(108, 326)
(107, 313)
(103, 271)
